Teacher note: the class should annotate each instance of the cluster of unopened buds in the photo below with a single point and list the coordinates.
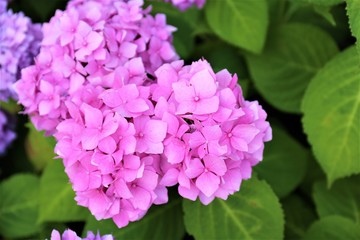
(130, 119)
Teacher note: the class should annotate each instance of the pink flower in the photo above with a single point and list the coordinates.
(197, 96)
(149, 135)
(97, 127)
(50, 98)
(126, 100)
(99, 43)
(86, 41)
(206, 141)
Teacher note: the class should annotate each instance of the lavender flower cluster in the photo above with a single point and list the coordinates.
(7, 134)
(71, 235)
(19, 44)
(185, 4)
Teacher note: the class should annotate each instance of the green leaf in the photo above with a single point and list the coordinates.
(343, 198)
(19, 206)
(325, 12)
(57, 197)
(297, 222)
(39, 148)
(160, 223)
(10, 106)
(321, 2)
(284, 163)
(331, 108)
(334, 228)
(252, 213)
(294, 53)
(242, 23)
(276, 11)
(340, 32)
(353, 11)
(185, 22)
(313, 174)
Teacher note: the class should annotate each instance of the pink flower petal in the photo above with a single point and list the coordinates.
(93, 116)
(170, 178)
(175, 151)
(90, 139)
(122, 189)
(189, 193)
(137, 106)
(182, 92)
(148, 181)
(141, 199)
(107, 145)
(204, 84)
(195, 168)
(208, 183)
(215, 164)
(155, 130)
(246, 132)
(207, 105)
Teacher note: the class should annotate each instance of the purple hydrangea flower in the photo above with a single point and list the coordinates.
(185, 4)
(7, 135)
(19, 43)
(71, 235)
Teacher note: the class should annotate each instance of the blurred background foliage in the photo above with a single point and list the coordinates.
(297, 58)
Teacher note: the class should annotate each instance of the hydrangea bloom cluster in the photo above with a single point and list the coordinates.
(19, 44)
(185, 4)
(7, 135)
(130, 120)
(71, 235)
(93, 43)
(123, 146)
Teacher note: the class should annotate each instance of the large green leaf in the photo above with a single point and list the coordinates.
(342, 199)
(331, 119)
(321, 2)
(39, 148)
(284, 163)
(19, 205)
(242, 23)
(293, 55)
(353, 12)
(252, 213)
(297, 222)
(160, 223)
(276, 11)
(334, 228)
(57, 197)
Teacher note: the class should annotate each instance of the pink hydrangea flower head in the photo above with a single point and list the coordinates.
(224, 137)
(125, 136)
(95, 43)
